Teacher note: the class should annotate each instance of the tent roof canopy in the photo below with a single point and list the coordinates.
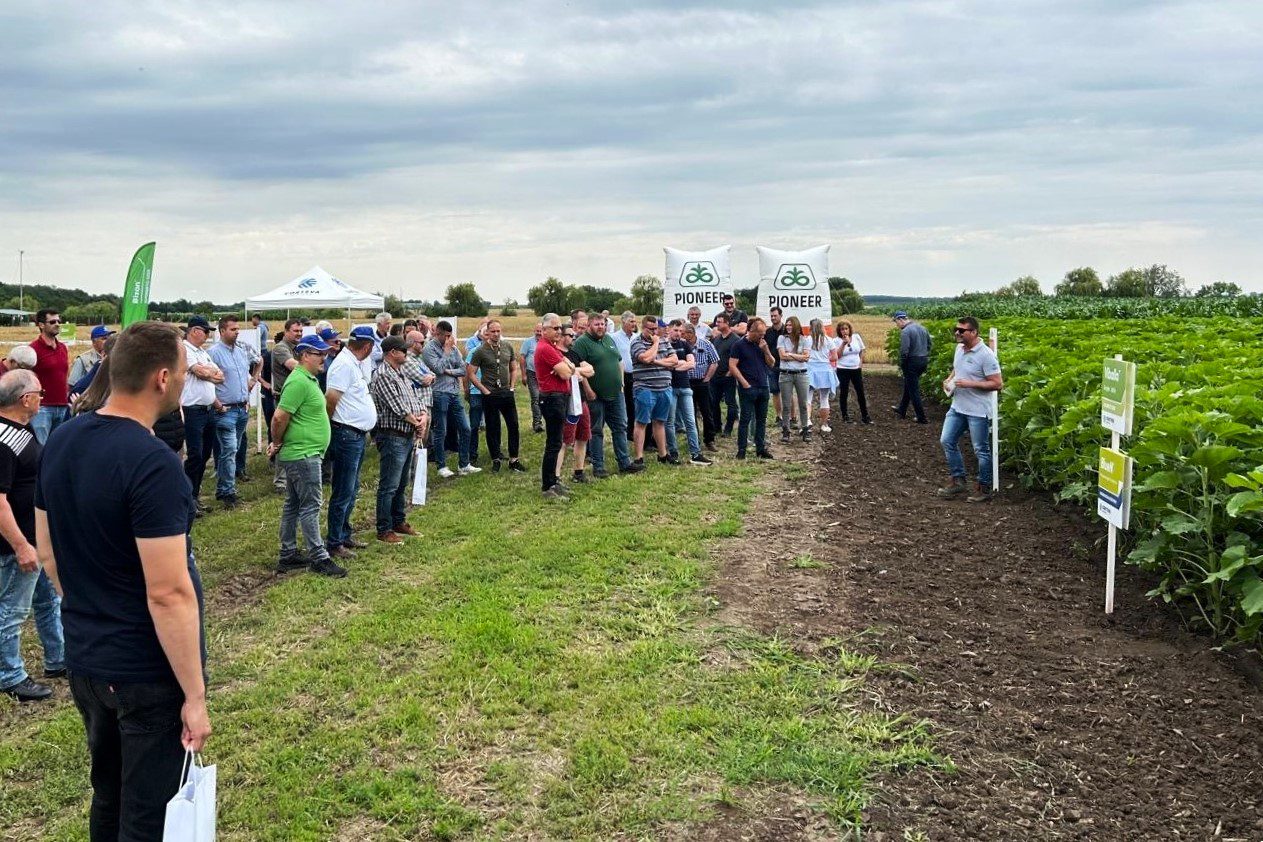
(315, 288)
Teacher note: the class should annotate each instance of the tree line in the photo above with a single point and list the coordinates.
(1155, 281)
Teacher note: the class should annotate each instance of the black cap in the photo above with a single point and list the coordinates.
(199, 321)
(394, 343)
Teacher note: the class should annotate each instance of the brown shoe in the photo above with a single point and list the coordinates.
(952, 489)
(389, 537)
(406, 529)
(341, 552)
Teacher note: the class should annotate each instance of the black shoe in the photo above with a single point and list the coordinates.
(765, 454)
(600, 473)
(352, 544)
(699, 459)
(29, 690)
(726, 434)
(495, 466)
(846, 419)
(668, 460)
(328, 567)
(290, 563)
(516, 465)
(242, 476)
(61, 673)
(563, 490)
(537, 428)
(640, 462)
(232, 501)
(896, 411)
(579, 476)
(784, 436)
(632, 468)
(923, 421)
(741, 454)
(807, 434)
(710, 445)
(866, 420)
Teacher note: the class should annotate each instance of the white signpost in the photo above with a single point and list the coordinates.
(1114, 467)
(994, 342)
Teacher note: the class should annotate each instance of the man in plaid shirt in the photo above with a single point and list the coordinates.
(415, 369)
(707, 359)
(398, 424)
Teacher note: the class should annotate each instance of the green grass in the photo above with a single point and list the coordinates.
(524, 669)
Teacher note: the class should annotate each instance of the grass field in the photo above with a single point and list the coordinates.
(524, 669)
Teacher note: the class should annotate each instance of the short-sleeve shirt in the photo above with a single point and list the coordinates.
(650, 375)
(851, 354)
(785, 344)
(751, 362)
(528, 352)
(723, 347)
(703, 355)
(623, 343)
(139, 491)
(680, 379)
(19, 464)
(494, 364)
(355, 407)
(773, 336)
(282, 352)
(977, 364)
(197, 392)
(235, 362)
(52, 367)
(547, 355)
(737, 317)
(308, 430)
(604, 356)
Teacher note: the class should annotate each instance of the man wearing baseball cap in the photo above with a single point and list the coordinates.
(300, 436)
(198, 402)
(85, 361)
(914, 359)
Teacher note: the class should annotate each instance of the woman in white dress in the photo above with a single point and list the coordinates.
(822, 359)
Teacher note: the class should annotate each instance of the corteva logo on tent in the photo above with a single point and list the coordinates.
(307, 283)
(699, 273)
(795, 276)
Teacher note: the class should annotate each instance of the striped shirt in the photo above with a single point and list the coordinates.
(704, 354)
(395, 399)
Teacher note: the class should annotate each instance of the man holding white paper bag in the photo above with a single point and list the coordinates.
(398, 430)
(975, 375)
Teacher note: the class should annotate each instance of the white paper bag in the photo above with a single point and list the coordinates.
(191, 811)
(419, 477)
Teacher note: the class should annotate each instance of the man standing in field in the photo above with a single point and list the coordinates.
(975, 375)
(239, 365)
(532, 384)
(737, 319)
(554, 372)
(398, 430)
(606, 407)
(749, 364)
(198, 403)
(492, 370)
(84, 362)
(914, 359)
(700, 378)
(622, 340)
(694, 318)
(352, 416)
(443, 359)
(653, 359)
(52, 367)
(283, 362)
(723, 389)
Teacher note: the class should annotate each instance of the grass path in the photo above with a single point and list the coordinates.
(524, 669)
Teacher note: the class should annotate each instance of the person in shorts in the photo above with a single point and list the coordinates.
(577, 430)
(653, 360)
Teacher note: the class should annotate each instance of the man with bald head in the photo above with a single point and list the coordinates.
(420, 376)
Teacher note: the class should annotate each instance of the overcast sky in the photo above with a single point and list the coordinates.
(935, 146)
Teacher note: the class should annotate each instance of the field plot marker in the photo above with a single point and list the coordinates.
(1114, 478)
(993, 340)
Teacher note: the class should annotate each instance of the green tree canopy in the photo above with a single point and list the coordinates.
(646, 295)
(464, 300)
(1081, 281)
(1129, 283)
(549, 297)
(1219, 289)
(837, 282)
(846, 301)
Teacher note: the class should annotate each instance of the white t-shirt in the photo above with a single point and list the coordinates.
(355, 408)
(820, 356)
(786, 344)
(197, 392)
(849, 352)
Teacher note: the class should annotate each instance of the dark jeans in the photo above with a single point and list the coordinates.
(723, 392)
(852, 377)
(199, 433)
(629, 405)
(495, 406)
(913, 368)
(608, 412)
(553, 407)
(753, 410)
(346, 445)
(134, 745)
(475, 423)
(532, 384)
(395, 462)
(702, 402)
(447, 410)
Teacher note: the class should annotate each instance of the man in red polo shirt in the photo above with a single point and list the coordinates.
(52, 367)
(553, 372)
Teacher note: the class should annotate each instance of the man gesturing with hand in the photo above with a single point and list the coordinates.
(132, 598)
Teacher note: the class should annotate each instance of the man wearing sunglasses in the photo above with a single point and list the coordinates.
(52, 367)
(975, 375)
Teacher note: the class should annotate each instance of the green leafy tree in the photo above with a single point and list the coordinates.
(747, 299)
(646, 295)
(1129, 283)
(549, 297)
(837, 282)
(1082, 281)
(509, 307)
(846, 301)
(1026, 285)
(1219, 289)
(464, 300)
(94, 312)
(1163, 282)
(596, 299)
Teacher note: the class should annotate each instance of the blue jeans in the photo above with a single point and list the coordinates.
(682, 412)
(475, 423)
(614, 413)
(20, 593)
(395, 462)
(199, 432)
(448, 410)
(979, 436)
(303, 493)
(230, 426)
(753, 409)
(49, 418)
(347, 447)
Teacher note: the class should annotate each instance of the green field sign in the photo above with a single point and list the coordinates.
(1118, 396)
(1113, 492)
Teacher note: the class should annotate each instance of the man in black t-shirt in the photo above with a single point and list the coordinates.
(23, 585)
(723, 389)
(120, 553)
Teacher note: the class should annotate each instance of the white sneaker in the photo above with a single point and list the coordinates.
(470, 469)
(825, 428)
(446, 472)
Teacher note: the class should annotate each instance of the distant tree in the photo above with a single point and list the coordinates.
(846, 301)
(1129, 283)
(646, 295)
(393, 305)
(837, 283)
(747, 300)
(549, 297)
(464, 300)
(94, 312)
(1027, 285)
(596, 299)
(24, 302)
(1219, 289)
(509, 307)
(1081, 281)
(1163, 282)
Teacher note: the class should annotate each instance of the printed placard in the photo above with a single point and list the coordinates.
(1113, 492)
(795, 281)
(1118, 396)
(696, 279)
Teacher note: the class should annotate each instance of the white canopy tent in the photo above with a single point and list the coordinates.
(315, 288)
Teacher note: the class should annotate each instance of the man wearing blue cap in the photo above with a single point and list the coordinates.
(240, 366)
(88, 359)
(914, 359)
(300, 436)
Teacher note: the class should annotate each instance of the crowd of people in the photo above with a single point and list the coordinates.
(145, 412)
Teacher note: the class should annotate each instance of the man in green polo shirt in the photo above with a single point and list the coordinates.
(300, 436)
(608, 407)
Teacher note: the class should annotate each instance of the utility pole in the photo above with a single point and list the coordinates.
(21, 296)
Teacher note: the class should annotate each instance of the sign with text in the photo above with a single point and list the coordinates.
(795, 281)
(1113, 492)
(696, 279)
(1118, 396)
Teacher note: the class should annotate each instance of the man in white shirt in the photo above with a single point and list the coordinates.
(975, 375)
(352, 416)
(380, 332)
(199, 404)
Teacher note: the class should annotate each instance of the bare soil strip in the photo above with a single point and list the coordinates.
(1062, 723)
